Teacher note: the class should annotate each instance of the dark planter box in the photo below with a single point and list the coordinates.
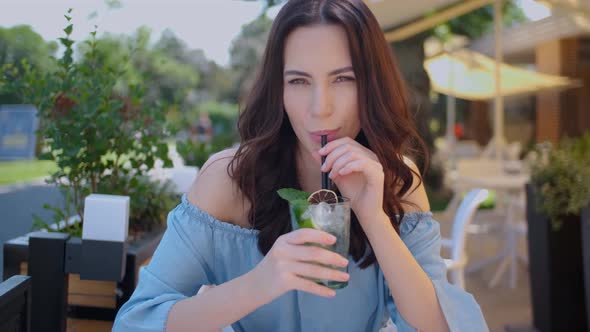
(16, 252)
(558, 258)
(586, 258)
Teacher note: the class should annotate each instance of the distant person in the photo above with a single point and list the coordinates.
(327, 69)
(204, 128)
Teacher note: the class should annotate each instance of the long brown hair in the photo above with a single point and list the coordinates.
(265, 160)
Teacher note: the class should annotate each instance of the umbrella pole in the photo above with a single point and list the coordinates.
(451, 111)
(498, 139)
(450, 127)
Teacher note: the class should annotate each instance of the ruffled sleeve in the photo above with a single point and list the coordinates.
(421, 234)
(182, 263)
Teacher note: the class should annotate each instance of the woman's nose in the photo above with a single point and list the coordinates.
(321, 105)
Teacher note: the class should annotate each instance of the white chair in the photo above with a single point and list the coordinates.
(485, 222)
(456, 243)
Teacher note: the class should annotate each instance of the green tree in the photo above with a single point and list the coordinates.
(246, 52)
(479, 22)
(269, 3)
(19, 43)
(164, 68)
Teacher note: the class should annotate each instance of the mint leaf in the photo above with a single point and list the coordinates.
(300, 204)
(298, 208)
(290, 194)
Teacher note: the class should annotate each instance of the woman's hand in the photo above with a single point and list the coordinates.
(358, 174)
(288, 260)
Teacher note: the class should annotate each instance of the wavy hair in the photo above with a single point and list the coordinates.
(265, 160)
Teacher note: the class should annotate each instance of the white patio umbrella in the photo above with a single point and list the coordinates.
(473, 77)
(470, 75)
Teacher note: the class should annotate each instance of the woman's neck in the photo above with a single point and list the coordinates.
(308, 170)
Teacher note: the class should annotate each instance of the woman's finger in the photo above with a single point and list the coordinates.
(334, 155)
(369, 168)
(358, 165)
(343, 149)
(335, 144)
(319, 255)
(312, 287)
(342, 162)
(306, 235)
(316, 271)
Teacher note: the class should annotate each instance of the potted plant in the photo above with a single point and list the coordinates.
(559, 236)
(104, 139)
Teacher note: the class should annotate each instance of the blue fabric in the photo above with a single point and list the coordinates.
(198, 249)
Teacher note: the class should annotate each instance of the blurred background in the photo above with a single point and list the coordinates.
(131, 97)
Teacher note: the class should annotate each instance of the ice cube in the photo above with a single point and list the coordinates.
(321, 215)
(307, 213)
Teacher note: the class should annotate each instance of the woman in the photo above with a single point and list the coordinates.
(327, 69)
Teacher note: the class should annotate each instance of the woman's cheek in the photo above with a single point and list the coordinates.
(346, 99)
(296, 101)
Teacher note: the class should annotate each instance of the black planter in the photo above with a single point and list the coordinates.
(558, 291)
(586, 258)
(16, 251)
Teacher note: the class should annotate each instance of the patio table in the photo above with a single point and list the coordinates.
(511, 188)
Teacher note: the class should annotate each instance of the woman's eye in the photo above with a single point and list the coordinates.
(297, 81)
(344, 79)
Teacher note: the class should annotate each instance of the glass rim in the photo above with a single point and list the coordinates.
(341, 200)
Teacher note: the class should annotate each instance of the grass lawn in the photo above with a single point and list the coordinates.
(440, 199)
(12, 172)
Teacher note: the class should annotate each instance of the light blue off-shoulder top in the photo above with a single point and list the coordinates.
(198, 249)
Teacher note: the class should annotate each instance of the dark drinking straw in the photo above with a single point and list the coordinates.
(326, 183)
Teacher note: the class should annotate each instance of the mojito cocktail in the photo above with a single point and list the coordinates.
(331, 217)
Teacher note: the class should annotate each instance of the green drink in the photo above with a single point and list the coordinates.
(332, 217)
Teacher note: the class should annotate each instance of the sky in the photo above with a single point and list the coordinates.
(210, 25)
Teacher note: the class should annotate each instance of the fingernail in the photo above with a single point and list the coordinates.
(332, 239)
(323, 167)
(344, 262)
(322, 150)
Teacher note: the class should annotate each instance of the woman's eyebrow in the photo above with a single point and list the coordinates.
(341, 70)
(297, 73)
(332, 73)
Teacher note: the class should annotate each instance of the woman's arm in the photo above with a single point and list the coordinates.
(410, 286)
(211, 310)
(413, 270)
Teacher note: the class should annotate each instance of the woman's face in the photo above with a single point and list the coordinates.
(320, 92)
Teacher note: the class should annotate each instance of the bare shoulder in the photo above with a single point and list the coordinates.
(214, 192)
(415, 199)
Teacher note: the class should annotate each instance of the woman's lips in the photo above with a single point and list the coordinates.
(316, 136)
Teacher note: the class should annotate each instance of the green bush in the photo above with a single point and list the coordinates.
(196, 153)
(562, 179)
